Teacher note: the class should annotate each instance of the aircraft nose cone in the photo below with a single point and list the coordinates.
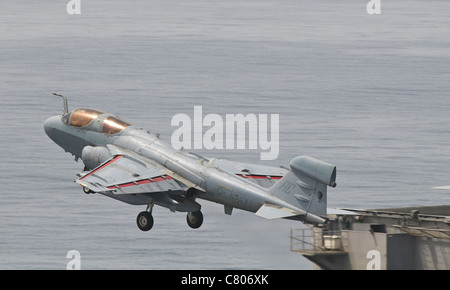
(50, 125)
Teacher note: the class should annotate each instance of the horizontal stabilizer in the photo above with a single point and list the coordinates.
(271, 211)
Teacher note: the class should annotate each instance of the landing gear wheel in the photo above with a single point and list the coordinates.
(87, 190)
(194, 219)
(144, 221)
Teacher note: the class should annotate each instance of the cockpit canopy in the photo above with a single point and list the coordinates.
(83, 117)
(114, 125)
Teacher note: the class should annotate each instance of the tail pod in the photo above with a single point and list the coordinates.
(305, 187)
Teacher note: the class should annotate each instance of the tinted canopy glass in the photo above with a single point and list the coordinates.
(82, 117)
(113, 125)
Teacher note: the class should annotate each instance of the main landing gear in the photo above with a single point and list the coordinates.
(144, 219)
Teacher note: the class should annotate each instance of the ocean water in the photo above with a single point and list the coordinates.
(368, 93)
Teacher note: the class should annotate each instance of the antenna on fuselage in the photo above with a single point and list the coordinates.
(66, 107)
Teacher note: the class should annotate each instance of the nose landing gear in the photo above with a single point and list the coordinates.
(87, 190)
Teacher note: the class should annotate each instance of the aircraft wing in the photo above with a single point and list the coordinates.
(263, 175)
(129, 173)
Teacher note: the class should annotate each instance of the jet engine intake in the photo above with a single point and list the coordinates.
(94, 156)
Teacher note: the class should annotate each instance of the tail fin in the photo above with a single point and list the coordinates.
(305, 186)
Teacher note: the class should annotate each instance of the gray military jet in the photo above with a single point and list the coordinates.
(133, 165)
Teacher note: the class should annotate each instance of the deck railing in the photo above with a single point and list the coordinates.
(317, 240)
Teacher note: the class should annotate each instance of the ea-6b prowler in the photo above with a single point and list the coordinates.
(134, 166)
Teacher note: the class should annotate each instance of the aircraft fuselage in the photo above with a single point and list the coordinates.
(153, 172)
(219, 186)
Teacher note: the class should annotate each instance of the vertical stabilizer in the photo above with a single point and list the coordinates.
(305, 186)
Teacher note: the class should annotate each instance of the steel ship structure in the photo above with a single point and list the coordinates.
(408, 238)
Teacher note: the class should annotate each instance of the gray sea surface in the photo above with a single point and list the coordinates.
(368, 93)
